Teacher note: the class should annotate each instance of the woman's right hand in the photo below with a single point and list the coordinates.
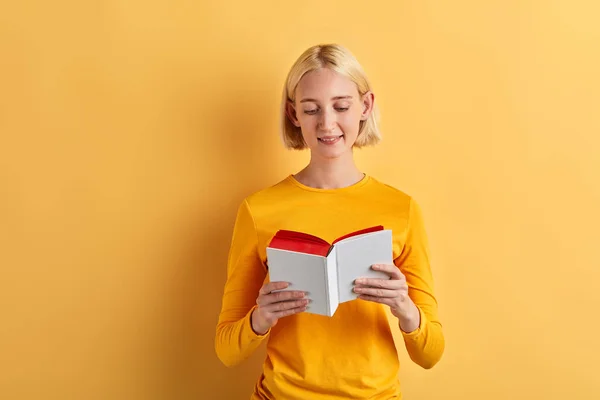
(272, 306)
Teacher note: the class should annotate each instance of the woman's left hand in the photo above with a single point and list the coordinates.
(392, 292)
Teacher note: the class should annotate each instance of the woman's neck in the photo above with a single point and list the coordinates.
(330, 174)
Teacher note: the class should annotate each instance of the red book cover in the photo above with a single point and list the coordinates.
(305, 243)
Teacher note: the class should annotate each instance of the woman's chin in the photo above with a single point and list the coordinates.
(333, 153)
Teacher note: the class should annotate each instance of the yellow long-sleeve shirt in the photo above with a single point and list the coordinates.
(349, 355)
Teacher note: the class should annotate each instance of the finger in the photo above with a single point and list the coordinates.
(380, 283)
(284, 296)
(284, 305)
(377, 292)
(291, 311)
(271, 286)
(382, 300)
(276, 297)
(391, 270)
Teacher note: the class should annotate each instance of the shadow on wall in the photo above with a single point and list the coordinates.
(235, 165)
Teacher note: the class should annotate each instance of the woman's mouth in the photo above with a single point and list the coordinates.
(330, 139)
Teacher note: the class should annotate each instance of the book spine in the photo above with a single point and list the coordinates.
(332, 282)
(327, 291)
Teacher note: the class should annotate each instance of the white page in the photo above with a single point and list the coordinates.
(356, 255)
(305, 272)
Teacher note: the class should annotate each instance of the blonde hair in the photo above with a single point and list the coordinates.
(340, 60)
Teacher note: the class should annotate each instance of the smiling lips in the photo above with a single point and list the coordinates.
(330, 139)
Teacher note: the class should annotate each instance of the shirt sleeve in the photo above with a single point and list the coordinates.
(426, 344)
(235, 339)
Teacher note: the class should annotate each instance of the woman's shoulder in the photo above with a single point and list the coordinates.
(268, 193)
(391, 190)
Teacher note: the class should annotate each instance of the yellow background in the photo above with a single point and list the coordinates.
(131, 130)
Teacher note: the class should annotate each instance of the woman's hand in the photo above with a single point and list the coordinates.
(392, 292)
(272, 306)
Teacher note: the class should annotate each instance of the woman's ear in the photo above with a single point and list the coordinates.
(290, 111)
(368, 99)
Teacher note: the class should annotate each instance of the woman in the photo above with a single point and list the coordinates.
(328, 107)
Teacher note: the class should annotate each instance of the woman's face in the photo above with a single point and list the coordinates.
(328, 109)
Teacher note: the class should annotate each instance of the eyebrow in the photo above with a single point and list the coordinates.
(333, 98)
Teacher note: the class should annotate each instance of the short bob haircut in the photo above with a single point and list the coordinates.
(340, 60)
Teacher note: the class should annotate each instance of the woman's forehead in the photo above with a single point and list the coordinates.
(324, 84)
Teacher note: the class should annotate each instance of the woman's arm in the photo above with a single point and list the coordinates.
(425, 344)
(409, 294)
(235, 340)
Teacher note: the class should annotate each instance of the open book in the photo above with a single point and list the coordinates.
(328, 271)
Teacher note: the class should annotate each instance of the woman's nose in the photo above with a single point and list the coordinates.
(327, 121)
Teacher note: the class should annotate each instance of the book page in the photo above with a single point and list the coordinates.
(304, 272)
(356, 255)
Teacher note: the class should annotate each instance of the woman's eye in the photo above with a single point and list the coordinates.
(310, 112)
(342, 108)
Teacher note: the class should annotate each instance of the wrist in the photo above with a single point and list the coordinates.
(411, 320)
(256, 325)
